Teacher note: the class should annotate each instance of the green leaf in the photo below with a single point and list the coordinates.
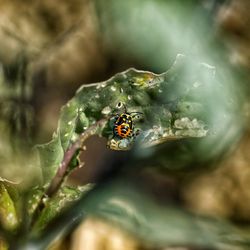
(53, 206)
(34, 197)
(51, 155)
(8, 216)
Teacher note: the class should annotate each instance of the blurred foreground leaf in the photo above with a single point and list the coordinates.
(155, 223)
(162, 225)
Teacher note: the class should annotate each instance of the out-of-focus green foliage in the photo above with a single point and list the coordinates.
(153, 32)
(3, 245)
(159, 224)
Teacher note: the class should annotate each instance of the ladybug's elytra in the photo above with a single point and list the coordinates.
(123, 125)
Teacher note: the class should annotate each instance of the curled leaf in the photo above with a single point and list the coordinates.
(185, 102)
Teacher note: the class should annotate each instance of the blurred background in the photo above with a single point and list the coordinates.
(50, 48)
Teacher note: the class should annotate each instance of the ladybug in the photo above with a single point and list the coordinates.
(123, 126)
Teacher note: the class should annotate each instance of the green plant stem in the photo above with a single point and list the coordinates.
(69, 154)
(61, 173)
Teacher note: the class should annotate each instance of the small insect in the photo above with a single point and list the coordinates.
(123, 126)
